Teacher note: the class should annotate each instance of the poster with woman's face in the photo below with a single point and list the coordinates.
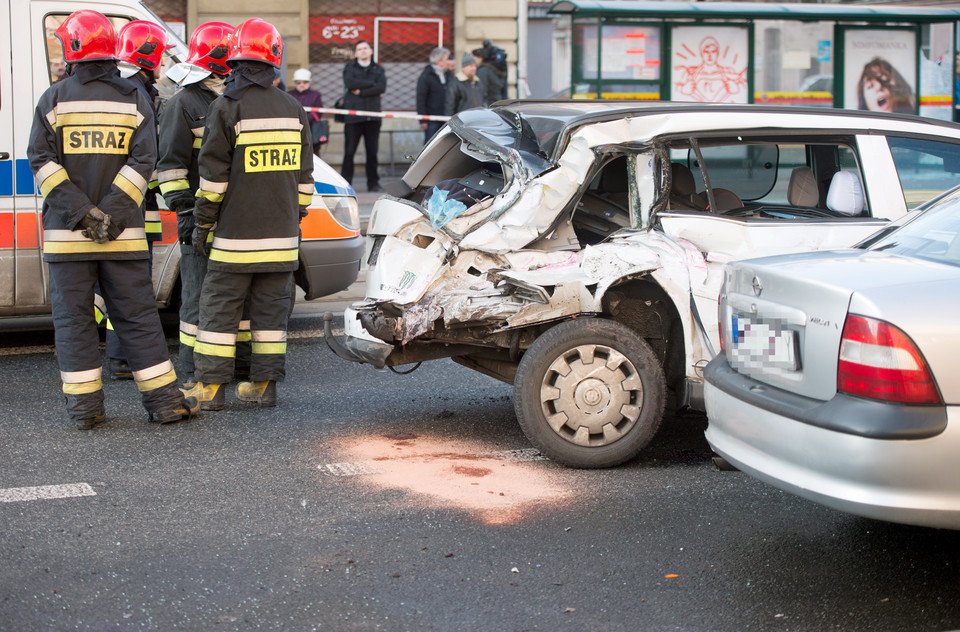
(880, 70)
(709, 64)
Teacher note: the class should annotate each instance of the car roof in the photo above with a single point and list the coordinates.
(557, 119)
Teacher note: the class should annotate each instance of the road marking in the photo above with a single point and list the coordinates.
(45, 492)
(523, 455)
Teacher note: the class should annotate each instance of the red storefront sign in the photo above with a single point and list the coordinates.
(341, 29)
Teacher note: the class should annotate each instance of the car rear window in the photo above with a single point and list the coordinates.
(926, 167)
(933, 235)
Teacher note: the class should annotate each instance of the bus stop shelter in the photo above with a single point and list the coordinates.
(893, 58)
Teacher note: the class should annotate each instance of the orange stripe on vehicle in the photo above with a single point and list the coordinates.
(319, 224)
(28, 233)
(6, 230)
(169, 221)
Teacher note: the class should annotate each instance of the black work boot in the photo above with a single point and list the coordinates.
(185, 410)
(263, 393)
(87, 423)
(120, 370)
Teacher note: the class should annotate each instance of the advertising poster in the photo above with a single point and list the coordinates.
(880, 70)
(709, 64)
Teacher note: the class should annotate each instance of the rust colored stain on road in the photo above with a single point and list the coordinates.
(462, 474)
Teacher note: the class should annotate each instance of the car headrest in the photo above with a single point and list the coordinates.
(802, 189)
(683, 182)
(845, 194)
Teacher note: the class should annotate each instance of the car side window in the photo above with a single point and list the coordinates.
(926, 168)
(763, 174)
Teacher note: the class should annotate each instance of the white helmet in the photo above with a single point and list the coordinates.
(302, 75)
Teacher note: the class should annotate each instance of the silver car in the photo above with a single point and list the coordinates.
(839, 376)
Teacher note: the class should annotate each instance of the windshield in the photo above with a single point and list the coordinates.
(933, 234)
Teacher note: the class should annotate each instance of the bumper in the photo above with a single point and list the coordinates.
(909, 481)
(328, 266)
(356, 344)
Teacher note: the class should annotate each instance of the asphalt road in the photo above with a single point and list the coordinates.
(373, 501)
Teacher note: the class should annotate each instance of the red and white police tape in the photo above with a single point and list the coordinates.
(399, 115)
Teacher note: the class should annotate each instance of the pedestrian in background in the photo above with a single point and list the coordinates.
(309, 98)
(256, 181)
(432, 89)
(201, 77)
(364, 81)
(492, 71)
(93, 186)
(466, 90)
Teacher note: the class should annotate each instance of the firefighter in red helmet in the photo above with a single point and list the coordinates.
(256, 180)
(202, 78)
(92, 148)
(140, 46)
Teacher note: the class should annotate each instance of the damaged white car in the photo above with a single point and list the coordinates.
(574, 249)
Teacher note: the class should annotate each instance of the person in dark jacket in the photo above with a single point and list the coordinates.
(93, 148)
(492, 71)
(201, 77)
(364, 81)
(256, 181)
(466, 90)
(432, 87)
(140, 46)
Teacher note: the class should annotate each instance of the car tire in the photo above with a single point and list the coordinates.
(589, 393)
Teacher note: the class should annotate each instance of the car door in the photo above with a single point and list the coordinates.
(767, 195)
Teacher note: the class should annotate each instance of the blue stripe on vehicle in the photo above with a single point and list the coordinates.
(6, 177)
(26, 185)
(324, 188)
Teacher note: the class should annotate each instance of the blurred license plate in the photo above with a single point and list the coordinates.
(764, 343)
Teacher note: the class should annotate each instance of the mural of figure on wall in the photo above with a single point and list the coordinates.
(710, 81)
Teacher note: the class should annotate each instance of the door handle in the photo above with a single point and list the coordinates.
(4, 155)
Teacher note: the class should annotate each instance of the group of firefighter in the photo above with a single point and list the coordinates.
(232, 157)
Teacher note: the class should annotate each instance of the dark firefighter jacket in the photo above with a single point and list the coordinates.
(256, 174)
(181, 130)
(93, 143)
(151, 208)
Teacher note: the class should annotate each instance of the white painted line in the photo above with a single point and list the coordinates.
(45, 492)
(355, 469)
(347, 469)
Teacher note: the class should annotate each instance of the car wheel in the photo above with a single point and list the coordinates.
(589, 393)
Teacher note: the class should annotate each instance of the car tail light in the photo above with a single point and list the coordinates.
(879, 361)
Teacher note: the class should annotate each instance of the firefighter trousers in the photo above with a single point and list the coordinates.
(128, 295)
(192, 271)
(221, 305)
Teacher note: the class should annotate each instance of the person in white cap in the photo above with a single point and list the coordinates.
(310, 98)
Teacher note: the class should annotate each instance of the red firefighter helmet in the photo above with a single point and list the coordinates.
(256, 40)
(87, 36)
(141, 43)
(209, 47)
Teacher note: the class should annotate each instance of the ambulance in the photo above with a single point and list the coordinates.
(31, 58)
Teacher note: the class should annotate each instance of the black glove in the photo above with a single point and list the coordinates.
(185, 224)
(199, 237)
(96, 226)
